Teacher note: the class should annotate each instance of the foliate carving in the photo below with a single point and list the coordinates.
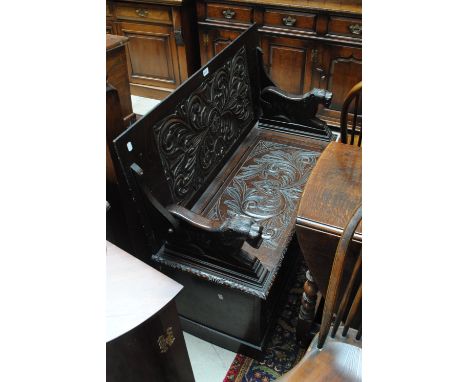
(205, 126)
(267, 188)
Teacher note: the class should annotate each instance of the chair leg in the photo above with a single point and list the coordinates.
(307, 311)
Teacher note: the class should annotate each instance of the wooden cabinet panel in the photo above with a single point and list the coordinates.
(284, 59)
(342, 70)
(109, 28)
(289, 63)
(153, 66)
(337, 68)
(151, 54)
(214, 41)
(117, 74)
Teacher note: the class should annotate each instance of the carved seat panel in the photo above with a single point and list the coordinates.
(265, 183)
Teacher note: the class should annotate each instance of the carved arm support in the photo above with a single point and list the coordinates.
(217, 239)
(239, 227)
(278, 104)
(187, 232)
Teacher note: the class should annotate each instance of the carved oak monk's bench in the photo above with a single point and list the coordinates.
(212, 177)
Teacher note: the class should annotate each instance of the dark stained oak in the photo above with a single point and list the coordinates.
(212, 178)
(114, 126)
(116, 227)
(329, 199)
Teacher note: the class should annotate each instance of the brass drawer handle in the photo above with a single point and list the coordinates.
(289, 21)
(142, 12)
(229, 14)
(355, 29)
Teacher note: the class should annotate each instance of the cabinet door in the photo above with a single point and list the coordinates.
(152, 56)
(214, 41)
(289, 62)
(338, 69)
(109, 27)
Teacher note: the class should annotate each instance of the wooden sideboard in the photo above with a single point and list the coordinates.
(307, 44)
(162, 46)
(117, 75)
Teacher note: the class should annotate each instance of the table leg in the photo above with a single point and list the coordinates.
(307, 311)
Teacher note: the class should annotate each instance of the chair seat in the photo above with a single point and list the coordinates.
(339, 360)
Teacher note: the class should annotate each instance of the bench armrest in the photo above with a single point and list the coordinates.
(231, 232)
(302, 109)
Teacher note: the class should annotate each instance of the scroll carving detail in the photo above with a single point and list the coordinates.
(205, 127)
(267, 188)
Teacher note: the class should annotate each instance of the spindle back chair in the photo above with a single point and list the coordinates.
(354, 98)
(334, 284)
(335, 355)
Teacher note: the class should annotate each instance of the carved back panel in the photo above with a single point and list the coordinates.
(184, 140)
(204, 127)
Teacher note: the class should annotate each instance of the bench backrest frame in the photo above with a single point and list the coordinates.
(150, 141)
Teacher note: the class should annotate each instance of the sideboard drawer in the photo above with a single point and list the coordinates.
(278, 18)
(231, 13)
(341, 26)
(142, 12)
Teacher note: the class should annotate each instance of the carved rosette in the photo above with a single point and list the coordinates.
(267, 188)
(205, 127)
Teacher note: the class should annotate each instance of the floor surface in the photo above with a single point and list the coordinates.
(143, 105)
(210, 363)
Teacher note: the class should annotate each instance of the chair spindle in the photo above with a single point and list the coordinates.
(354, 95)
(355, 115)
(346, 296)
(336, 274)
(353, 311)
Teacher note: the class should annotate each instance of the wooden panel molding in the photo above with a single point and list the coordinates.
(142, 12)
(306, 43)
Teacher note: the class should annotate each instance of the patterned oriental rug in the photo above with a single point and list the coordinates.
(282, 352)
